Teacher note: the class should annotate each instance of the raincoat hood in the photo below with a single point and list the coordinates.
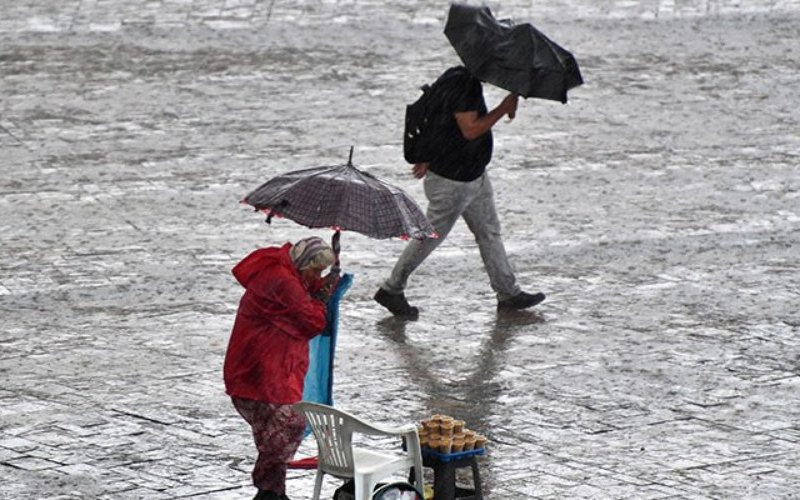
(247, 271)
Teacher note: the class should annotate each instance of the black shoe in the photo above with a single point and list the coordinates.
(396, 304)
(269, 495)
(522, 300)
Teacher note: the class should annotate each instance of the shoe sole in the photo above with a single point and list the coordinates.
(410, 313)
(539, 300)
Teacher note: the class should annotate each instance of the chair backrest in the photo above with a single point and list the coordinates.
(333, 431)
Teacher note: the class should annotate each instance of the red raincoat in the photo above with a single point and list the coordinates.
(267, 356)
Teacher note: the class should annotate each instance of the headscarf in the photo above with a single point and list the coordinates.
(311, 252)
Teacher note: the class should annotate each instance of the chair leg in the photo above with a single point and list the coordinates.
(318, 485)
(364, 486)
(418, 478)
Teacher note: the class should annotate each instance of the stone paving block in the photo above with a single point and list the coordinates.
(51, 438)
(61, 456)
(8, 454)
(17, 444)
(81, 469)
(134, 493)
(30, 463)
(141, 475)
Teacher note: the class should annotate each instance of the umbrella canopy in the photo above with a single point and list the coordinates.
(343, 198)
(517, 58)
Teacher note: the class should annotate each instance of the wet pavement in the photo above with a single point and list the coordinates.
(659, 210)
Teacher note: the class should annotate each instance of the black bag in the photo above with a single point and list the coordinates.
(427, 116)
(397, 491)
(347, 491)
(383, 491)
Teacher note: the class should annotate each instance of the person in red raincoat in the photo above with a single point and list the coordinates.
(267, 356)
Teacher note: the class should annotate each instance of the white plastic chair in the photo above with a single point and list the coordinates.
(338, 457)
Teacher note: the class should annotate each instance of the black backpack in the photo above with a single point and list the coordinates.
(426, 117)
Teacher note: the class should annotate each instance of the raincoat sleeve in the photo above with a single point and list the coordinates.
(316, 286)
(287, 305)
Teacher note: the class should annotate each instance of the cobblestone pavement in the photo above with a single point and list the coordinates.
(659, 210)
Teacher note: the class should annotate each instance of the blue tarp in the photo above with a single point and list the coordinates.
(319, 379)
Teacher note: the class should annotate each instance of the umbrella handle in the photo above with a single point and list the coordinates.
(336, 247)
(332, 279)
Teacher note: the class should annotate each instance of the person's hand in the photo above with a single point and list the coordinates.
(324, 293)
(420, 169)
(509, 105)
(327, 287)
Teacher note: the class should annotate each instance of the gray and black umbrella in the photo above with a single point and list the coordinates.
(518, 58)
(342, 198)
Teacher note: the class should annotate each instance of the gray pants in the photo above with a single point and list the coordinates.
(447, 201)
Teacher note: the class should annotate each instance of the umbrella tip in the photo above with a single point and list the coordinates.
(350, 160)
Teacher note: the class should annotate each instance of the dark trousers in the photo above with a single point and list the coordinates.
(277, 431)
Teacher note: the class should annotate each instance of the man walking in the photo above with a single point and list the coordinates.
(457, 185)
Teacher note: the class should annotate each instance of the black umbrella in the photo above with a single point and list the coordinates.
(518, 58)
(343, 198)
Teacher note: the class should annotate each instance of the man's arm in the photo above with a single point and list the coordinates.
(473, 126)
(420, 169)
